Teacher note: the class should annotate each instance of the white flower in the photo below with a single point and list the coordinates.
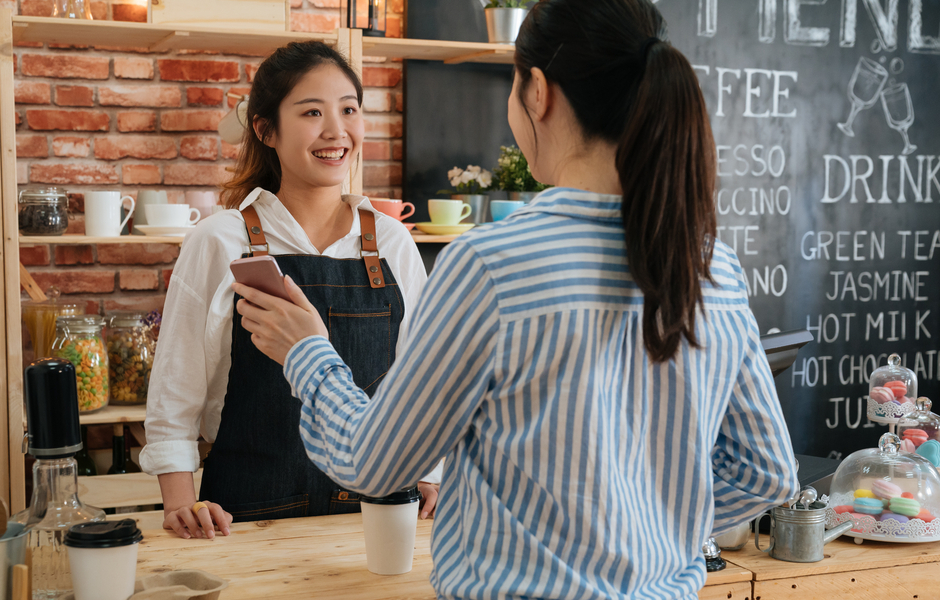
(454, 173)
(466, 177)
(455, 181)
(473, 169)
(485, 178)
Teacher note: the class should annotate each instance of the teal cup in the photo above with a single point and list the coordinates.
(500, 209)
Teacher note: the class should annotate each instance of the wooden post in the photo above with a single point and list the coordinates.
(349, 44)
(11, 420)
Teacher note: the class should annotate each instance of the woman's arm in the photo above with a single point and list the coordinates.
(179, 496)
(426, 402)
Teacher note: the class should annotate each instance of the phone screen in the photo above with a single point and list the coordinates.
(261, 273)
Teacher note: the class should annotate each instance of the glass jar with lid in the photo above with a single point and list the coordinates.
(39, 320)
(43, 211)
(891, 495)
(891, 392)
(130, 357)
(79, 340)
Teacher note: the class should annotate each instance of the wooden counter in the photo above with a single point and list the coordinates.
(324, 557)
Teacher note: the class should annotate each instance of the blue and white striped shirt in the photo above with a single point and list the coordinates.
(575, 467)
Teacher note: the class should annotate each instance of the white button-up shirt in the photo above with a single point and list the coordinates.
(191, 367)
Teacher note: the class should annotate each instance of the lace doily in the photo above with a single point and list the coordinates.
(889, 412)
(868, 528)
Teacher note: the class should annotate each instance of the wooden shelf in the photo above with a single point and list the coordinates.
(448, 52)
(115, 414)
(424, 238)
(26, 240)
(156, 38)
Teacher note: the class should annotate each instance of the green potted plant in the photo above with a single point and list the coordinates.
(512, 175)
(503, 19)
(469, 186)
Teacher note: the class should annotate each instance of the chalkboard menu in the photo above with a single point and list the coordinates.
(826, 115)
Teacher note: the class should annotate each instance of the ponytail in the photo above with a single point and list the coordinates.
(631, 89)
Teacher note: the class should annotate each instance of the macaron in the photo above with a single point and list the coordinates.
(908, 446)
(925, 516)
(860, 493)
(899, 388)
(931, 451)
(907, 495)
(917, 436)
(870, 506)
(857, 517)
(893, 517)
(904, 506)
(845, 508)
(881, 395)
(885, 489)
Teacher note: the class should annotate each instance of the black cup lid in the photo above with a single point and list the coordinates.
(103, 534)
(405, 496)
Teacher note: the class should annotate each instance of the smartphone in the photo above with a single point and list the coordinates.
(261, 273)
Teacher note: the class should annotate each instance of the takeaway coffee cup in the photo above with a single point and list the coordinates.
(103, 559)
(103, 213)
(390, 523)
(171, 215)
(448, 212)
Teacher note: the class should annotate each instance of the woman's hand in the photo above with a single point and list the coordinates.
(199, 525)
(429, 492)
(275, 324)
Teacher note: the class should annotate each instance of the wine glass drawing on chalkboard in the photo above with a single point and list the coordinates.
(899, 112)
(864, 89)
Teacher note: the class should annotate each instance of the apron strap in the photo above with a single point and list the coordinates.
(370, 244)
(255, 233)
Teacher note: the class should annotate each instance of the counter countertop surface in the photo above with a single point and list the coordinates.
(303, 558)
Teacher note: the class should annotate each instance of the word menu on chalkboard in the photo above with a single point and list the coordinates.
(826, 115)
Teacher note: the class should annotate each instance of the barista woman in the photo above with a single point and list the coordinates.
(360, 268)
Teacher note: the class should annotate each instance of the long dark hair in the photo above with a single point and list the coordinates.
(629, 87)
(258, 165)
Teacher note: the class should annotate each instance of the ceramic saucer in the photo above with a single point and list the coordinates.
(432, 229)
(409, 226)
(155, 230)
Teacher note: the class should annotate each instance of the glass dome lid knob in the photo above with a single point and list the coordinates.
(889, 443)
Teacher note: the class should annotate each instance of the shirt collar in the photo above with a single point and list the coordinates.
(267, 199)
(579, 204)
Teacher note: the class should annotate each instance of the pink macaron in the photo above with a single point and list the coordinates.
(908, 446)
(916, 436)
(881, 395)
(885, 489)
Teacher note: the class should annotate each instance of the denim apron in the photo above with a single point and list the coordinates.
(258, 468)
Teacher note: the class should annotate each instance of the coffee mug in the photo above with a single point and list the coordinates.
(172, 215)
(392, 208)
(204, 201)
(103, 213)
(448, 212)
(500, 209)
(145, 198)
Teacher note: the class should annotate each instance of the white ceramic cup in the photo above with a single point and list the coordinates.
(103, 213)
(103, 573)
(144, 199)
(204, 201)
(448, 212)
(390, 534)
(171, 215)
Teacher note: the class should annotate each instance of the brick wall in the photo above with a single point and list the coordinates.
(128, 119)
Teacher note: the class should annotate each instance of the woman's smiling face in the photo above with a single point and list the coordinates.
(320, 129)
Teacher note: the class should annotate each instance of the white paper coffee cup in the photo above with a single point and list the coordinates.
(390, 524)
(103, 559)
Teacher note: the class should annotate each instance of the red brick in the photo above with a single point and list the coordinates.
(193, 174)
(296, 3)
(204, 96)
(22, 173)
(129, 12)
(74, 95)
(381, 126)
(76, 225)
(138, 279)
(31, 92)
(397, 150)
(380, 76)
(133, 68)
(381, 175)
(399, 102)
(74, 255)
(72, 173)
(71, 147)
(140, 174)
(231, 102)
(68, 120)
(76, 202)
(36, 8)
(137, 254)
(229, 151)
(396, 6)
(191, 120)
(167, 274)
(114, 147)
(324, 3)
(31, 146)
(377, 101)
(200, 147)
(66, 66)
(34, 256)
(392, 27)
(28, 44)
(140, 95)
(143, 303)
(198, 70)
(19, 119)
(92, 307)
(376, 150)
(137, 120)
(313, 22)
(250, 70)
(77, 282)
(99, 11)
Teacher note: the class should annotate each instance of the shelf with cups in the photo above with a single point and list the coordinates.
(37, 240)
(424, 238)
(448, 52)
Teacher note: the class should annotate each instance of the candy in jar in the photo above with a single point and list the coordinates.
(891, 393)
(130, 357)
(79, 340)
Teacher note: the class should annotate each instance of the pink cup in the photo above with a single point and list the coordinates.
(392, 208)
